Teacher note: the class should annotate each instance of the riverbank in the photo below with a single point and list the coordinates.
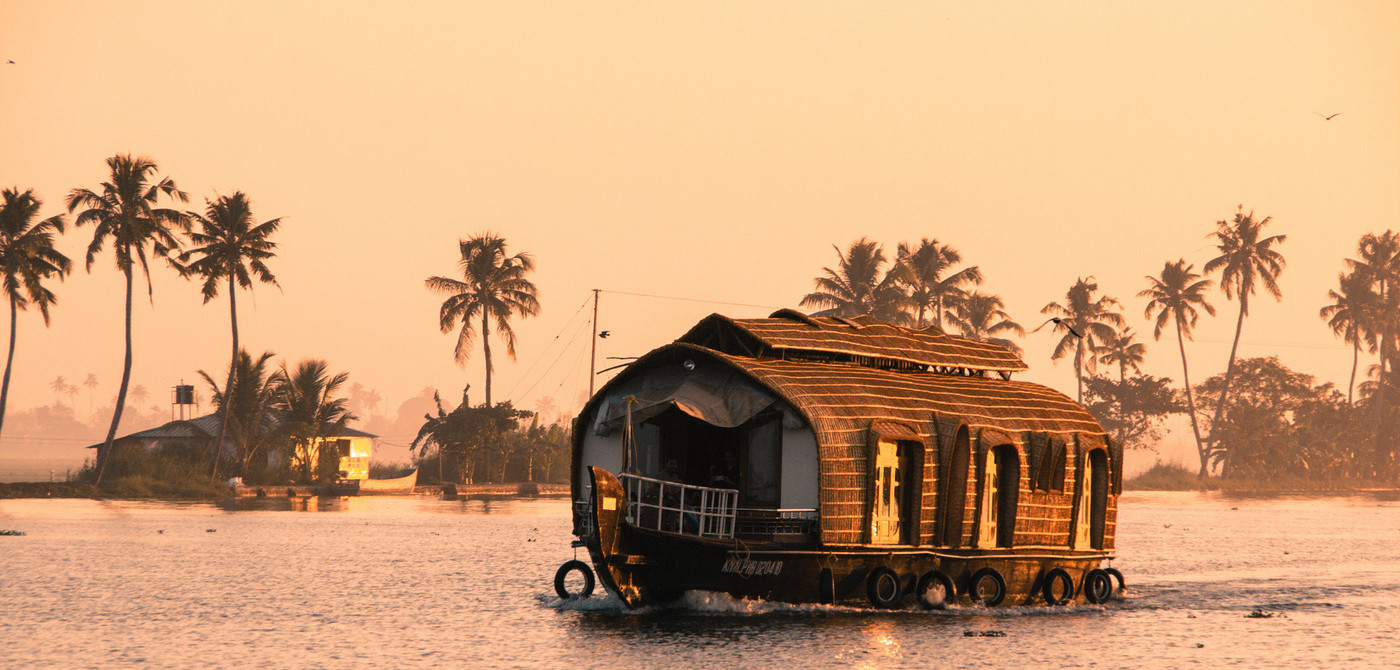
(219, 491)
(1171, 477)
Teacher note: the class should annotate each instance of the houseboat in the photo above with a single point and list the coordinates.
(840, 461)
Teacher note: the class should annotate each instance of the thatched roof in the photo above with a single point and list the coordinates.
(838, 398)
(792, 335)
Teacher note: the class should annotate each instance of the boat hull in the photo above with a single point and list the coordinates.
(645, 567)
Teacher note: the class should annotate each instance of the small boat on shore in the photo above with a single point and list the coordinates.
(841, 461)
(400, 483)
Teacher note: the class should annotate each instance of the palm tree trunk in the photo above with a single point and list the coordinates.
(105, 451)
(228, 385)
(1078, 376)
(1191, 405)
(1212, 440)
(486, 348)
(5, 387)
(1351, 382)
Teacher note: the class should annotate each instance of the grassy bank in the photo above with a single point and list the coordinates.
(1175, 477)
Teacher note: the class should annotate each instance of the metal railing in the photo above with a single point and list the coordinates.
(777, 521)
(674, 507)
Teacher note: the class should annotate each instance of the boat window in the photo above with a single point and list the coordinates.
(646, 450)
(1092, 505)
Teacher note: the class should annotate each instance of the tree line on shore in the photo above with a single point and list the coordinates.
(1255, 419)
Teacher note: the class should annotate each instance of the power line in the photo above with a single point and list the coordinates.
(567, 324)
(671, 297)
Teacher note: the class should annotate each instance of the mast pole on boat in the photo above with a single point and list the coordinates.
(593, 353)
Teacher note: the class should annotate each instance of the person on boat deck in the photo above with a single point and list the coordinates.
(726, 475)
(672, 471)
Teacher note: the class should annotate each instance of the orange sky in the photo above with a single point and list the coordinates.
(703, 150)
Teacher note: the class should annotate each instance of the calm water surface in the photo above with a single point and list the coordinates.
(405, 582)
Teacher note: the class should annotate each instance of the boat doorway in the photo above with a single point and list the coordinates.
(675, 446)
(1001, 478)
(1092, 505)
(892, 518)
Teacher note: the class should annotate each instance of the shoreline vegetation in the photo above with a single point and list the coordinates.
(1160, 477)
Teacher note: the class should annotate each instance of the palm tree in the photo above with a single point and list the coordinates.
(929, 289)
(1124, 351)
(247, 409)
(91, 383)
(139, 393)
(1245, 259)
(125, 213)
(309, 409)
(27, 258)
(59, 386)
(495, 289)
(1353, 310)
(1379, 264)
(230, 249)
(1175, 295)
(860, 285)
(980, 316)
(1085, 322)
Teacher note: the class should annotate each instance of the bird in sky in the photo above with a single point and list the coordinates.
(10, 63)
(1324, 118)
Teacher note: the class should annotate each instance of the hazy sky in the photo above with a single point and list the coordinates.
(710, 151)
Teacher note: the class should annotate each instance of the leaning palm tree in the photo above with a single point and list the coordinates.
(980, 316)
(246, 403)
(1175, 295)
(124, 211)
(933, 285)
(1086, 322)
(230, 248)
(860, 285)
(1125, 351)
(493, 288)
(27, 258)
(1352, 315)
(1379, 266)
(310, 409)
(1245, 259)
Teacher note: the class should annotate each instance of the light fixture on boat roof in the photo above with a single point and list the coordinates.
(689, 365)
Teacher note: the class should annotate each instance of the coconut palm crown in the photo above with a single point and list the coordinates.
(860, 285)
(933, 283)
(1086, 323)
(1174, 296)
(494, 287)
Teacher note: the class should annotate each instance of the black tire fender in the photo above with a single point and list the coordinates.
(1098, 586)
(1048, 591)
(883, 587)
(1122, 583)
(976, 587)
(931, 580)
(563, 574)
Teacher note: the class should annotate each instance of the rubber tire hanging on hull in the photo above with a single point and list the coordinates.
(883, 588)
(984, 577)
(563, 573)
(1098, 586)
(1047, 587)
(1122, 584)
(931, 579)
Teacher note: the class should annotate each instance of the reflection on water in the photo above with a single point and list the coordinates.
(422, 581)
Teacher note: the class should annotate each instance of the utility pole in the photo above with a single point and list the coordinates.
(593, 355)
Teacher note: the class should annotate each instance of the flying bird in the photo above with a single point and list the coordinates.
(1326, 118)
(10, 63)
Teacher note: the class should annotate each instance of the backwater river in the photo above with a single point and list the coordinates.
(423, 582)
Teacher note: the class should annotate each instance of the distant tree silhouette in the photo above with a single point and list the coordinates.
(933, 283)
(124, 213)
(27, 257)
(1125, 351)
(309, 409)
(1086, 322)
(493, 288)
(247, 405)
(1351, 316)
(860, 285)
(979, 316)
(1246, 260)
(1175, 295)
(229, 248)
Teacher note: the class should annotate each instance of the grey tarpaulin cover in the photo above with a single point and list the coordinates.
(715, 395)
